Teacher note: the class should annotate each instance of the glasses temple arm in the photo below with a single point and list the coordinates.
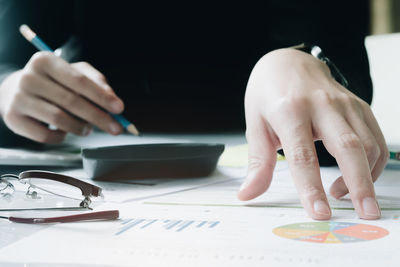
(92, 216)
(86, 188)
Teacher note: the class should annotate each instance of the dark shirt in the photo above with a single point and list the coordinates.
(184, 66)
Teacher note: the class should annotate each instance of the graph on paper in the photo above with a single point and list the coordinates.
(330, 232)
(166, 224)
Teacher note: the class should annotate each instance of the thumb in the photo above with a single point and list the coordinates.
(262, 161)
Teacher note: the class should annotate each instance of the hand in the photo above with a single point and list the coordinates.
(51, 91)
(291, 101)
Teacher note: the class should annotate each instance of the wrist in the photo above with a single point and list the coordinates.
(286, 62)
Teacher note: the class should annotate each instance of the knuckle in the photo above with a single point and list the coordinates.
(58, 117)
(27, 79)
(257, 163)
(372, 150)
(363, 188)
(323, 97)
(80, 79)
(384, 156)
(107, 98)
(343, 97)
(296, 101)
(254, 162)
(82, 64)
(289, 106)
(349, 141)
(39, 59)
(69, 99)
(101, 77)
(312, 191)
(303, 156)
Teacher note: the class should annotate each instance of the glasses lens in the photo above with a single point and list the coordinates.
(6, 188)
(43, 186)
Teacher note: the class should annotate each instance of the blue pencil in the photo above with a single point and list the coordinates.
(41, 46)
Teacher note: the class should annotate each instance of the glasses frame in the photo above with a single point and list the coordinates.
(88, 190)
(90, 216)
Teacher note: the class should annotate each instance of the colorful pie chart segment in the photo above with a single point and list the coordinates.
(330, 232)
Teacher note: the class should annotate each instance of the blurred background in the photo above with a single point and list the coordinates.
(384, 57)
(383, 16)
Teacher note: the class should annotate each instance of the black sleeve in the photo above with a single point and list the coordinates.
(51, 20)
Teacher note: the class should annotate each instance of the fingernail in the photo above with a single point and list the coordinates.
(115, 128)
(320, 207)
(338, 194)
(86, 130)
(116, 105)
(370, 207)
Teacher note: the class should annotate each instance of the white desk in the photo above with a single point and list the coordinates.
(208, 226)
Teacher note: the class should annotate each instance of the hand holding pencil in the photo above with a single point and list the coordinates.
(51, 91)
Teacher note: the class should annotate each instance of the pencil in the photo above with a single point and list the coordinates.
(32, 37)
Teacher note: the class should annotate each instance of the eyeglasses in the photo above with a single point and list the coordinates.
(54, 184)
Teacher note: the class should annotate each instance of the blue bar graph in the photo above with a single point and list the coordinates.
(171, 225)
(149, 223)
(185, 224)
(130, 225)
(126, 221)
(201, 224)
(213, 224)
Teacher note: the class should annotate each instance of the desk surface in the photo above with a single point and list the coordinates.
(200, 222)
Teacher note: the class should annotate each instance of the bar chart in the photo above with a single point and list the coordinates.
(174, 225)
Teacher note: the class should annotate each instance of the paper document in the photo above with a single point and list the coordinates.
(206, 226)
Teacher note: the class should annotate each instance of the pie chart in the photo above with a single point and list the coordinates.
(330, 232)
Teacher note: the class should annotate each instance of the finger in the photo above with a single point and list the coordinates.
(34, 130)
(90, 71)
(93, 74)
(384, 152)
(62, 72)
(298, 145)
(262, 160)
(71, 102)
(346, 146)
(43, 111)
(338, 188)
(370, 145)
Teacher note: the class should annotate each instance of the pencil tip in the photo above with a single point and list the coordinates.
(133, 130)
(27, 32)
